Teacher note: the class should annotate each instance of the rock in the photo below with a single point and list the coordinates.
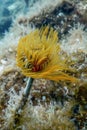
(10, 50)
(62, 18)
(1, 70)
(67, 7)
(4, 62)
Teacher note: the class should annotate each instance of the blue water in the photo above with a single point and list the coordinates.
(9, 9)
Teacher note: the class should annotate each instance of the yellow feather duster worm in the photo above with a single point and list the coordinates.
(38, 56)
